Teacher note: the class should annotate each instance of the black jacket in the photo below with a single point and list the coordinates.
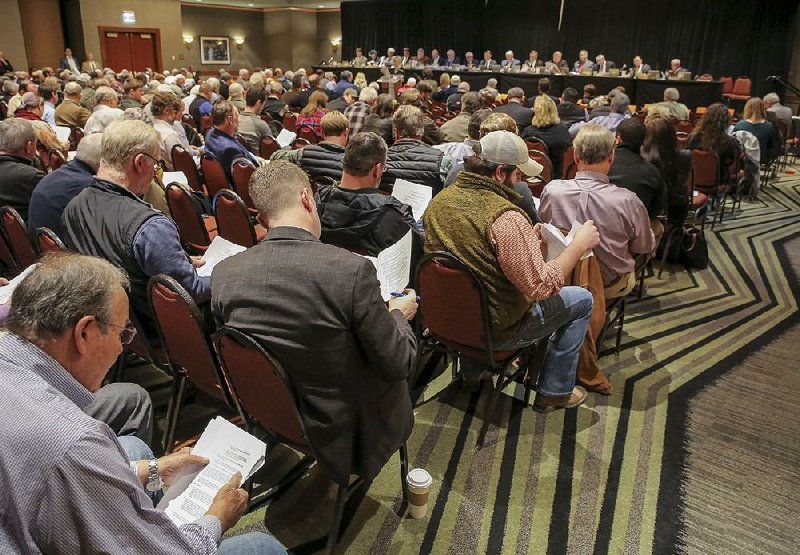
(18, 179)
(323, 159)
(414, 161)
(318, 309)
(557, 139)
(569, 112)
(518, 113)
(381, 126)
(634, 173)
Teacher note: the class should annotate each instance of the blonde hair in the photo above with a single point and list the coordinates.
(317, 101)
(657, 111)
(444, 80)
(333, 124)
(545, 112)
(498, 121)
(754, 110)
(360, 80)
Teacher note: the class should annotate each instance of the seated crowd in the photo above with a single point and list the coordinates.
(322, 202)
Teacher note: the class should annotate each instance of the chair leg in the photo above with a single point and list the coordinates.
(173, 411)
(672, 233)
(404, 470)
(333, 534)
(621, 323)
(490, 411)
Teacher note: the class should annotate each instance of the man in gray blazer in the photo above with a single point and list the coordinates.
(318, 309)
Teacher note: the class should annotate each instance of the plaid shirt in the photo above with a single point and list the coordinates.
(357, 113)
(312, 121)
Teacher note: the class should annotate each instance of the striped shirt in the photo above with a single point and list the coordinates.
(66, 482)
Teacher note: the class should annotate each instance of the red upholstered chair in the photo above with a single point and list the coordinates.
(242, 170)
(307, 133)
(233, 220)
(454, 308)
(56, 160)
(266, 395)
(705, 77)
(537, 144)
(741, 89)
(684, 126)
(190, 354)
(289, 121)
(75, 137)
(299, 143)
(568, 161)
(547, 166)
(205, 124)
(189, 120)
(7, 258)
(48, 241)
(705, 171)
(15, 233)
(267, 147)
(196, 231)
(266, 118)
(683, 140)
(727, 85)
(214, 174)
(182, 161)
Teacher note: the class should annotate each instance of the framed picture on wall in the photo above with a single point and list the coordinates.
(215, 50)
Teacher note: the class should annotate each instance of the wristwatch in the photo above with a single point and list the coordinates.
(154, 482)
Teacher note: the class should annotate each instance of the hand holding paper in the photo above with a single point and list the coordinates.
(418, 197)
(217, 251)
(557, 242)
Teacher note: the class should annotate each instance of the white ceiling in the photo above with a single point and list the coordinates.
(316, 4)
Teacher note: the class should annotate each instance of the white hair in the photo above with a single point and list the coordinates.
(671, 94)
(509, 53)
(368, 95)
(772, 98)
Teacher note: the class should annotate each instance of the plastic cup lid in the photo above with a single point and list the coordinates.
(419, 478)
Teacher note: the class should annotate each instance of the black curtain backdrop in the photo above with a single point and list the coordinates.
(709, 36)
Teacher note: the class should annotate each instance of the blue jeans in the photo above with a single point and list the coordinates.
(246, 544)
(564, 318)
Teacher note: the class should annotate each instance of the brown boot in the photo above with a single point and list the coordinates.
(545, 403)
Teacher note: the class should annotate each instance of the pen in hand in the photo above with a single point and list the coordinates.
(401, 295)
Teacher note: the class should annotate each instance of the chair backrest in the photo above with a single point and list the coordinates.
(189, 120)
(16, 233)
(568, 160)
(727, 84)
(48, 241)
(684, 126)
(266, 118)
(56, 160)
(190, 224)
(319, 181)
(214, 174)
(205, 124)
(706, 77)
(305, 132)
(261, 387)
(742, 86)
(705, 166)
(267, 147)
(299, 143)
(537, 144)
(571, 171)
(182, 161)
(233, 219)
(453, 302)
(75, 137)
(683, 140)
(186, 336)
(242, 170)
(547, 166)
(289, 120)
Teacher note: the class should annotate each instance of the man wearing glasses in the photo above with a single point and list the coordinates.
(110, 220)
(68, 485)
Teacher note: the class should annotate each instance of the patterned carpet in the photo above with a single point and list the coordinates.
(695, 452)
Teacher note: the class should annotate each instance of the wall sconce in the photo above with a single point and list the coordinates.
(188, 40)
(336, 42)
(239, 42)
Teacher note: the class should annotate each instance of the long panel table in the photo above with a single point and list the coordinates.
(640, 91)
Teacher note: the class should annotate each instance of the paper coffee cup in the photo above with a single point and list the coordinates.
(419, 484)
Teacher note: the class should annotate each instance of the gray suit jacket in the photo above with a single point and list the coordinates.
(318, 309)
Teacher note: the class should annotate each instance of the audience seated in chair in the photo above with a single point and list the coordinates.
(431, 134)
(251, 127)
(135, 237)
(220, 141)
(70, 113)
(515, 108)
(105, 110)
(358, 111)
(201, 105)
(380, 120)
(55, 356)
(476, 221)
(58, 188)
(547, 127)
(18, 174)
(168, 109)
(677, 111)
(661, 149)
(325, 157)
(754, 121)
(712, 134)
(355, 214)
(619, 110)
(568, 109)
(314, 306)
(457, 151)
(455, 130)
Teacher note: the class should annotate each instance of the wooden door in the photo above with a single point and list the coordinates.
(132, 49)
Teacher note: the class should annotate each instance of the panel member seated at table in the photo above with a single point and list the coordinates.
(510, 62)
(639, 67)
(421, 58)
(532, 62)
(469, 61)
(558, 64)
(602, 65)
(583, 63)
(436, 59)
(487, 62)
(675, 68)
(360, 59)
(677, 111)
(452, 59)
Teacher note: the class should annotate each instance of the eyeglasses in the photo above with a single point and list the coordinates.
(126, 334)
(158, 165)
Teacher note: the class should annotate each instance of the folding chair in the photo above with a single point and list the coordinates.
(568, 161)
(454, 309)
(267, 147)
(267, 397)
(705, 169)
(537, 144)
(182, 161)
(289, 121)
(214, 174)
(233, 220)
(242, 170)
(305, 132)
(48, 241)
(16, 235)
(196, 231)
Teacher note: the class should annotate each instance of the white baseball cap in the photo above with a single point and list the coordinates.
(507, 148)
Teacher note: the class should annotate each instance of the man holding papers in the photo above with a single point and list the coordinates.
(108, 219)
(355, 215)
(319, 310)
(476, 220)
(68, 486)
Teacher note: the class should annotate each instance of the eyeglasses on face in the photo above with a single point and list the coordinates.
(126, 333)
(157, 164)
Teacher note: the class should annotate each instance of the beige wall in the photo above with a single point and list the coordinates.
(198, 20)
(161, 14)
(12, 42)
(329, 26)
(43, 49)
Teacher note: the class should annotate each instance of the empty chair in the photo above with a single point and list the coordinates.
(242, 170)
(196, 231)
(727, 85)
(214, 174)
(15, 233)
(48, 241)
(233, 220)
(267, 396)
(186, 338)
(705, 172)
(182, 161)
(741, 89)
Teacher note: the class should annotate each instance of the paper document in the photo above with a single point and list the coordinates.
(557, 242)
(217, 251)
(6, 290)
(175, 177)
(229, 450)
(394, 266)
(536, 202)
(285, 138)
(418, 197)
(62, 133)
